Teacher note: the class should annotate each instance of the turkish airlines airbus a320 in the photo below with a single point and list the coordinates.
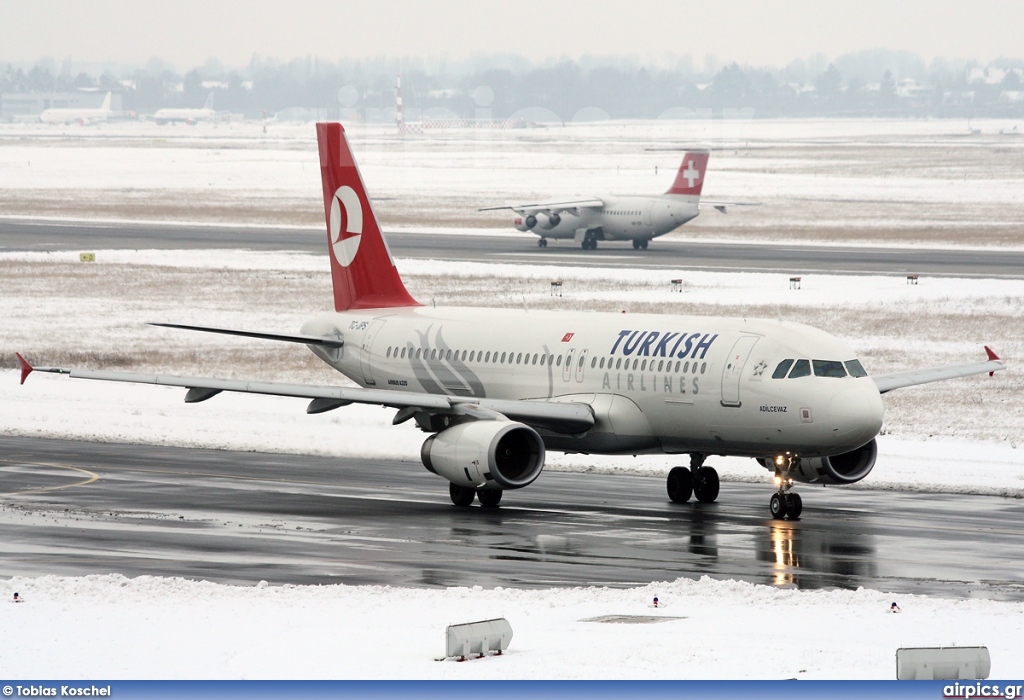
(636, 218)
(496, 388)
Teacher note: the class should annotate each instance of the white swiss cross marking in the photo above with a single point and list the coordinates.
(691, 174)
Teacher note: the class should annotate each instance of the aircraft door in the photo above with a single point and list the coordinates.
(364, 355)
(581, 365)
(647, 213)
(567, 367)
(733, 369)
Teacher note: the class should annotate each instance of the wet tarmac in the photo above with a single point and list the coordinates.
(76, 508)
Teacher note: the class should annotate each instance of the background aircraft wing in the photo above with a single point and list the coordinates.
(898, 380)
(561, 417)
(554, 206)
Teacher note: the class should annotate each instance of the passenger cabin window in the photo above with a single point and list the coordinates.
(781, 370)
(801, 368)
(855, 368)
(828, 368)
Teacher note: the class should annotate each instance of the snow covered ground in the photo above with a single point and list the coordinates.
(960, 436)
(110, 627)
(818, 179)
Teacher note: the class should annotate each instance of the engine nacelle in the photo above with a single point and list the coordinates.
(522, 223)
(547, 221)
(504, 454)
(847, 468)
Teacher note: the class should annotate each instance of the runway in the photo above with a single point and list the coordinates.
(77, 508)
(664, 253)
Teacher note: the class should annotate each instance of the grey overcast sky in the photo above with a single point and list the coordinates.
(760, 32)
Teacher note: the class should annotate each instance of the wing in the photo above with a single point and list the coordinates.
(898, 380)
(560, 417)
(554, 206)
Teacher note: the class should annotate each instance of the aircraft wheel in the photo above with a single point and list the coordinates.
(794, 505)
(706, 485)
(680, 484)
(636, 244)
(542, 243)
(643, 244)
(461, 495)
(777, 506)
(489, 497)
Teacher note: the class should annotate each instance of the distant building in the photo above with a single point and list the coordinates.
(27, 106)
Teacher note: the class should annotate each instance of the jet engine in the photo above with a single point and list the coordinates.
(847, 468)
(523, 223)
(547, 221)
(505, 454)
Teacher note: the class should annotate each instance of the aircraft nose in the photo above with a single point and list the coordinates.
(856, 414)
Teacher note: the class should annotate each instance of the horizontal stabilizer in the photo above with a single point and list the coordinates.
(304, 339)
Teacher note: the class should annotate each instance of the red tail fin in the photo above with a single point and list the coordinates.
(690, 178)
(363, 271)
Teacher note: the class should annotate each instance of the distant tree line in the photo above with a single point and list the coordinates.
(874, 83)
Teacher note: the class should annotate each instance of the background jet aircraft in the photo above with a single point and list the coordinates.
(80, 115)
(635, 218)
(189, 116)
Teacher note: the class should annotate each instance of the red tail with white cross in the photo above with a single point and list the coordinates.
(690, 178)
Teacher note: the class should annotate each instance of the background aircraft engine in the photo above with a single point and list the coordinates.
(496, 453)
(547, 221)
(522, 223)
(847, 468)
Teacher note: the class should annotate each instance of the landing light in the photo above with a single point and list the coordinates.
(780, 460)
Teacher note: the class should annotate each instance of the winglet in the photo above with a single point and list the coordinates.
(991, 356)
(26, 368)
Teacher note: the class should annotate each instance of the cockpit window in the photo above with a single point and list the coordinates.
(828, 368)
(801, 368)
(855, 368)
(781, 370)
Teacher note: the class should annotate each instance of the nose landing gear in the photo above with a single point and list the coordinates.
(783, 502)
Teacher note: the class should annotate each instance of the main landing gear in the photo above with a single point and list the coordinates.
(463, 495)
(589, 242)
(697, 480)
(785, 503)
(639, 243)
(542, 243)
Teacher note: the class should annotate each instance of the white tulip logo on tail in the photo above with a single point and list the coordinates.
(345, 243)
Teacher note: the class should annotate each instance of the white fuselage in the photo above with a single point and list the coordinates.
(673, 384)
(189, 116)
(624, 218)
(73, 116)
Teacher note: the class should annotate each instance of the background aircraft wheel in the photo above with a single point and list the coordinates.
(643, 244)
(680, 484)
(461, 495)
(489, 497)
(706, 485)
(777, 506)
(794, 505)
(542, 243)
(636, 244)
